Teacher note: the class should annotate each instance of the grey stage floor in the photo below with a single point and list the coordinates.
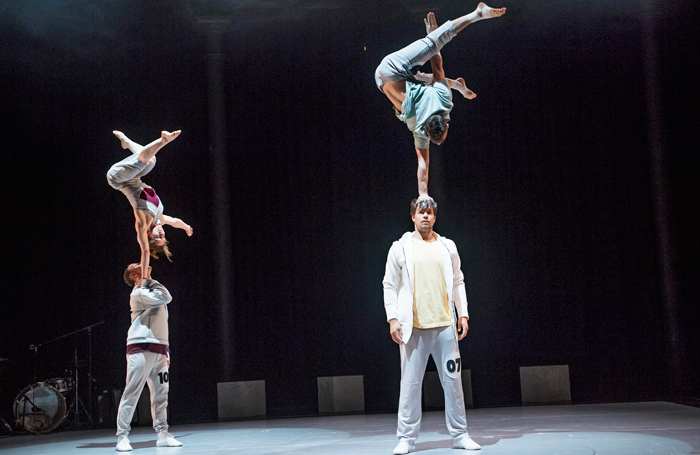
(602, 429)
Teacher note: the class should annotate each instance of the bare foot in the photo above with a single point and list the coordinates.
(167, 137)
(486, 12)
(122, 138)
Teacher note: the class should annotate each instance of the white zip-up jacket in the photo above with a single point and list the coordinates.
(398, 282)
(149, 314)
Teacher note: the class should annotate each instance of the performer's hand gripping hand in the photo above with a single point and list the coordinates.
(189, 230)
(462, 327)
(430, 23)
(395, 330)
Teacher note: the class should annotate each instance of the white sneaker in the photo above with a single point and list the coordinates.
(123, 444)
(165, 439)
(465, 442)
(404, 447)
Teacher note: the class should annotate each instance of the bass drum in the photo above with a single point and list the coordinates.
(40, 408)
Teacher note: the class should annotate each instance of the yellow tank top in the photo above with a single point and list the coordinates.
(430, 302)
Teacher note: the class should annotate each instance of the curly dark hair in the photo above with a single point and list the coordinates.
(423, 204)
(435, 126)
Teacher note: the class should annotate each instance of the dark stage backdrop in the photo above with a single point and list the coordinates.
(545, 185)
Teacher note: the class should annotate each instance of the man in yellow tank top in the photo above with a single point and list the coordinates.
(426, 307)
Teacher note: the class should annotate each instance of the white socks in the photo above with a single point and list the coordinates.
(461, 88)
(485, 13)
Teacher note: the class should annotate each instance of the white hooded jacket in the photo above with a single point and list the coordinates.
(398, 282)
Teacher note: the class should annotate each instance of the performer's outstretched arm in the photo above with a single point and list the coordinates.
(152, 294)
(423, 163)
(142, 238)
(177, 223)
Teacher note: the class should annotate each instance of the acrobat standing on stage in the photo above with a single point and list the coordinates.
(424, 101)
(147, 358)
(125, 176)
(426, 306)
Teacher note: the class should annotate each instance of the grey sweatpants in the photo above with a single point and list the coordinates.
(129, 168)
(439, 342)
(141, 368)
(397, 66)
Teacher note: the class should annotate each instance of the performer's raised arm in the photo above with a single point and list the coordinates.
(423, 164)
(142, 239)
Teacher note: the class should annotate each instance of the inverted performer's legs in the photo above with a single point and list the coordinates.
(128, 144)
(148, 152)
(397, 66)
(482, 11)
(151, 149)
(129, 168)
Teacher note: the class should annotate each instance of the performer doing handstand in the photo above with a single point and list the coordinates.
(125, 176)
(426, 108)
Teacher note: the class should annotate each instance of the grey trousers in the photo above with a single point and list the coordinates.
(439, 342)
(141, 368)
(397, 66)
(129, 168)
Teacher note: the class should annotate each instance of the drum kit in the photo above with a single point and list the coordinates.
(42, 406)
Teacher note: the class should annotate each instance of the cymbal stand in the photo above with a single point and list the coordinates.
(77, 402)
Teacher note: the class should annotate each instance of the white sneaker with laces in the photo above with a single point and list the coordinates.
(123, 444)
(404, 447)
(465, 442)
(165, 439)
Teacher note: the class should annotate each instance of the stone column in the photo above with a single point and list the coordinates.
(216, 62)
